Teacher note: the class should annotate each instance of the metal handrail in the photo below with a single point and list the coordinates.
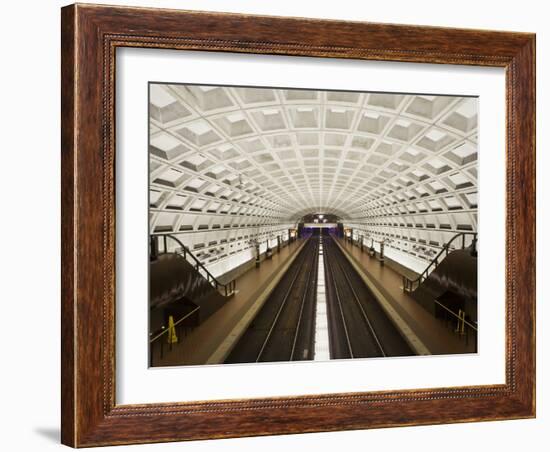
(411, 284)
(473, 327)
(165, 330)
(229, 288)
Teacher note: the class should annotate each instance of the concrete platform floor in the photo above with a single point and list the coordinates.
(212, 341)
(433, 333)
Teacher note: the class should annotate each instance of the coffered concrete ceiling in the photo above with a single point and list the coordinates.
(275, 155)
(256, 160)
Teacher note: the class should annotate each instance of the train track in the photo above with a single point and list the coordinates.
(283, 329)
(358, 326)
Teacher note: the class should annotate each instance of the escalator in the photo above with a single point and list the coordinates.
(175, 286)
(181, 290)
(448, 287)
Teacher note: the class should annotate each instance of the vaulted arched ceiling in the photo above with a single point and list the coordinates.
(255, 156)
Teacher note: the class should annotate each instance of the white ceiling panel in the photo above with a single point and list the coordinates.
(261, 157)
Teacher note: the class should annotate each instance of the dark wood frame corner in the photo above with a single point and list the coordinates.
(90, 36)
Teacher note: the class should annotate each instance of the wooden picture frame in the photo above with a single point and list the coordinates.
(90, 36)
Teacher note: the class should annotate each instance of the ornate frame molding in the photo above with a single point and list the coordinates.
(90, 37)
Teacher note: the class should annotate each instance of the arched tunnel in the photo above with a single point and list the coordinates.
(290, 225)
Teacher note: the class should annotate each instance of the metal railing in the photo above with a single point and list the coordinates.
(157, 338)
(227, 289)
(463, 328)
(409, 285)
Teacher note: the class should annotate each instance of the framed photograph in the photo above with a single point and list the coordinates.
(282, 225)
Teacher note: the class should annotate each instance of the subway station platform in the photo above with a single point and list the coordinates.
(212, 340)
(431, 335)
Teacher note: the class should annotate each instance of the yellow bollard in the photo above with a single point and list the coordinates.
(172, 337)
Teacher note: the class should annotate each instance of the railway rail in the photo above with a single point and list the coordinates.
(358, 326)
(283, 329)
